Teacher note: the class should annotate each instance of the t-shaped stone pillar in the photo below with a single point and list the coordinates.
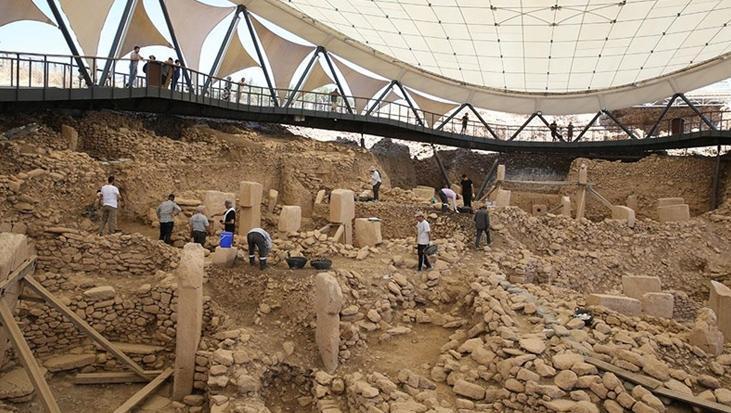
(250, 194)
(581, 193)
(189, 317)
(328, 302)
(342, 211)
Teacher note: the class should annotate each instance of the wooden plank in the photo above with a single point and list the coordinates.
(27, 267)
(645, 381)
(706, 405)
(145, 392)
(83, 326)
(26, 357)
(111, 377)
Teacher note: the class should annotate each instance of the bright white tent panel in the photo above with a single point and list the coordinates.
(87, 26)
(141, 31)
(17, 10)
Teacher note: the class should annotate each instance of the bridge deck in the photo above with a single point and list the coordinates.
(165, 101)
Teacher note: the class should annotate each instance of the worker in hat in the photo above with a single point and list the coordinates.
(423, 238)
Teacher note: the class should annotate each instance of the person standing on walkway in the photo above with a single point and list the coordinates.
(465, 121)
(554, 131)
(109, 200)
(482, 225)
(199, 226)
(423, 239)
(375, 182)
(240, 89)
(134, 61)
(570, 132)
(334, 95)
(226, 89)
(466, 184)
(166, 213)
(258, 239)
(176, 75)
(229, 217)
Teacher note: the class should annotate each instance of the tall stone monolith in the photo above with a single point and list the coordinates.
(328, 302)
(189, 317)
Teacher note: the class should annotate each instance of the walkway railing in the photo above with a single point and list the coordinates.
(21, 71)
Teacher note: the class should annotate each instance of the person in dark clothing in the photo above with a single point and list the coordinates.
(229, 218)
(554, 131)
(466, 184)
(482, 225)
(570, 132)
(176, 75)
(465, 121)
(260, 240)
(166, 213)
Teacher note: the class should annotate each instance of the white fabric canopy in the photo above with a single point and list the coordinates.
(87, 26)
(317, 78)
(16, 10)
(236, 58)
(361, 86)
(193, 22)
(430, 105)
(595, 54)
(284, 56)
(141, 32)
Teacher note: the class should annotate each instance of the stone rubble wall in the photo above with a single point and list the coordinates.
(64, 250)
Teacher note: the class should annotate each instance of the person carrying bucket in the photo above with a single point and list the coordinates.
(258, 239)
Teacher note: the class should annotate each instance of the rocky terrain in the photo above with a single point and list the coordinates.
(493, 329)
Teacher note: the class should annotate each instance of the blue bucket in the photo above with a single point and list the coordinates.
(227, 239)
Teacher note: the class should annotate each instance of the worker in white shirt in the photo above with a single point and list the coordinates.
(109, 201)
(423, 238)
(448, 198)
(375, 182)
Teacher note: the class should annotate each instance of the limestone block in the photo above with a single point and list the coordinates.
(624, 213)
(105, 292)
(250, 194)
(224, 257)
(290, 219)
(367, 233)
(14, 250)
(661, 202)
(539, 209)
(457, 188)
(189, 309)
(637, 286)
(342, 206)
(566, 206)
(720, 302)
(500, 173)
(673, 213)
(214, 202)
(502, 198)
(320, 196)
(249, 218)
(583, 174)
(328, 301)
(618, 303)
(705, 333)
(272, 199)
(425, 193)
(632, 202)
(71, 136)
(658, 304)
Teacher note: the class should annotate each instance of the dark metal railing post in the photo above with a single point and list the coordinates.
(118, 37)
(260, 56)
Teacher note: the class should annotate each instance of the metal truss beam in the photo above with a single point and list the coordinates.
(260, 56)
(662, 115)
(176, 45)
(620, 124)
(411, 104)
(70, 42)
(380, 98)
(588, 125)
(301, 80)
(548, 125)
(337, 80)
(698, 112)
(118, 37)
(520, 129)
(224, 47)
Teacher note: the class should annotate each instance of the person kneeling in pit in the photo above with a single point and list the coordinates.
(259, 239)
